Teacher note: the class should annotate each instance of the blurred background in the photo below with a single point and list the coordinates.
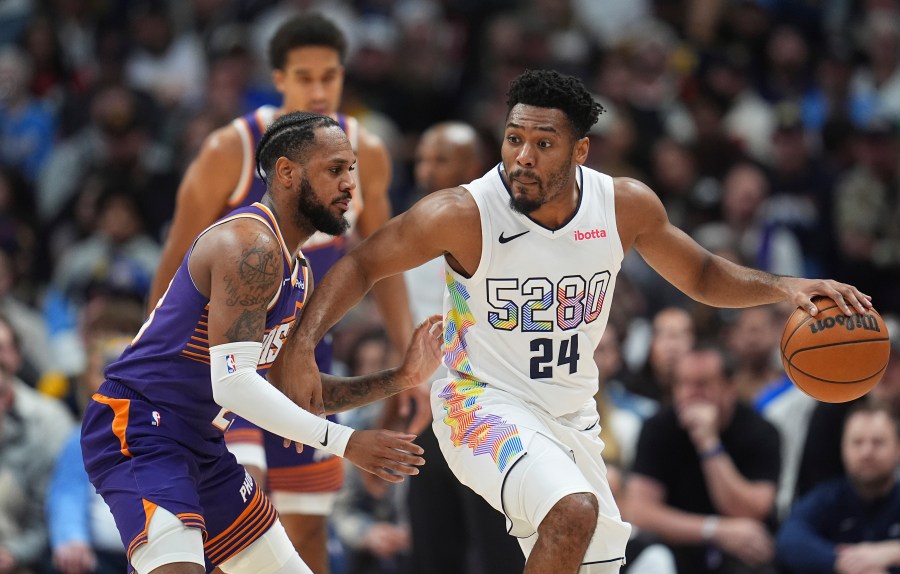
(770, 129)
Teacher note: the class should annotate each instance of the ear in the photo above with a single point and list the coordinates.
(278, 79)
(580, 152)
(285, 171)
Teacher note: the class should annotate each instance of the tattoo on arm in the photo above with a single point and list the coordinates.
(249, 326)
(344, 393)
(252, 287)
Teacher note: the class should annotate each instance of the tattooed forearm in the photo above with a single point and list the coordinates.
(343, 393)
(247, 327)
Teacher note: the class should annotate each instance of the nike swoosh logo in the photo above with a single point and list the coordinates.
(511, 237)
(325, 441)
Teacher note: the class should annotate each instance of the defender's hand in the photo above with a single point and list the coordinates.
(387, 454)
(423, 356)
(302, 383)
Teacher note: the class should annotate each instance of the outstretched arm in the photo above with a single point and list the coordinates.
(422, 357)
(706, 277)
(201, 198)
(445, 222)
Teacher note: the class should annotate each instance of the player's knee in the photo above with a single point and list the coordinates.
(574, 513)
(171, 547)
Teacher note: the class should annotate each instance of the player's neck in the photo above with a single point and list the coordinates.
(557, 212)
(294, 235)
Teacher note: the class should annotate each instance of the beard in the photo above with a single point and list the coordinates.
(310, 209)
(556, 182)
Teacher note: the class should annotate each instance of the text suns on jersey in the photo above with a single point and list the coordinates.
(272, 344)
(540, 305)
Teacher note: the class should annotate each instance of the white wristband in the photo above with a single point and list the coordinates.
(238, 387)
(710, 525)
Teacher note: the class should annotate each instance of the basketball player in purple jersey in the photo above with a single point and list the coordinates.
(153, 435)
(306, 54)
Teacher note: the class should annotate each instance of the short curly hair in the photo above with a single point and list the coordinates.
(291, 135)
(311, 29)
(550, 89)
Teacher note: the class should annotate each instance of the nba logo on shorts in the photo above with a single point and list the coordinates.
(229, 364)
(156, 417)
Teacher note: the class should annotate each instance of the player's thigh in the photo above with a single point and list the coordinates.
(236, 509)
(138, 468)
(483, 434)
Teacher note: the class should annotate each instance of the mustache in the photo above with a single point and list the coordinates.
(523, 173)
(345, 196)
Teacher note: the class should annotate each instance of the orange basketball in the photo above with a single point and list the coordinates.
(832, 357)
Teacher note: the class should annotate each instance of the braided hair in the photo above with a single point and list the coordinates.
(550, 89)
(291, 136)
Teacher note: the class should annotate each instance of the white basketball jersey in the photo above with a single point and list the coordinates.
(530, 317)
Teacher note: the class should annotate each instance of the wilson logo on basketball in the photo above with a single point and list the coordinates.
(867, 322)
(592, 234)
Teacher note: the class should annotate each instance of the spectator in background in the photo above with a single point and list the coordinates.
(117, 140)
(166, 62)
(851, 525)
(614, 379)
(867, 214)
(117, 257)
(27, 321)
(753, 340)
(673, 336)
(800, 192)
(26, 125)
(877, 85)
(83, 535)
(705, 473)
(747, 223)
(888, 390)
(370, 514)
(690, 199)
(448, 154)
(32, 430)
(748, 118)
(821, 457)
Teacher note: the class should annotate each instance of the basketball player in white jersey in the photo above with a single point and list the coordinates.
(307, 55)
(532, 250)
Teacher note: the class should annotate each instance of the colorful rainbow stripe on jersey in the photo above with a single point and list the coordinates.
(459, 319)
(483, 434)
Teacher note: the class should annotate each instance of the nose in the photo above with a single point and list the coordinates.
(317, 91)
(526, 156)
(348, 183)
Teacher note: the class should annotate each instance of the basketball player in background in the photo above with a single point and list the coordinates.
(532, 250)
(152, 435)
(448, 154)
(307, 57)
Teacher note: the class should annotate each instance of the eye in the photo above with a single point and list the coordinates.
(513, 139)
(544, 143)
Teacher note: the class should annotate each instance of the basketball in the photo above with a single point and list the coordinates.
(832, 357)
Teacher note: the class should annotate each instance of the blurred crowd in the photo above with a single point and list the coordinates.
(770, 129)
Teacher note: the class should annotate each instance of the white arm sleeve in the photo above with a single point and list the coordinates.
(238, 387)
